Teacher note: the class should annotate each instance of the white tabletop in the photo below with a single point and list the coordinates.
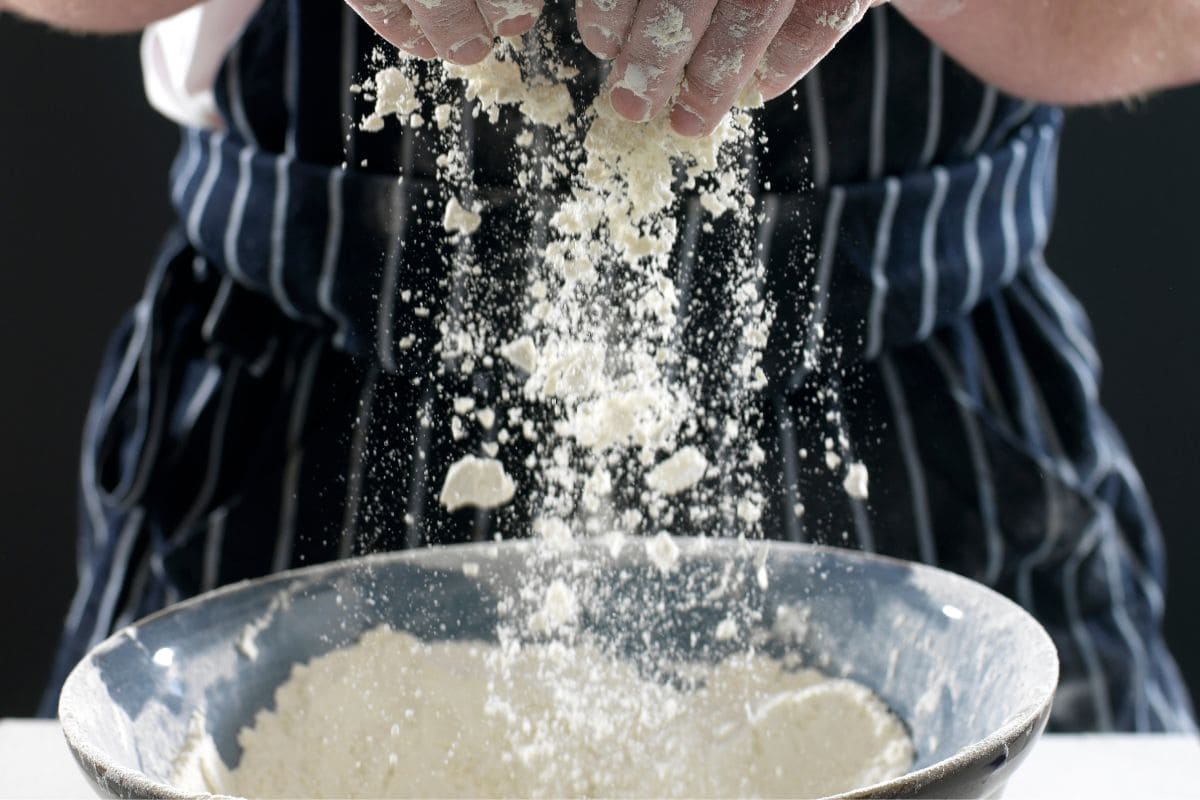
(34, 763)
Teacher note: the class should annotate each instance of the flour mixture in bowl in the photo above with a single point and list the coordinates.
(395, 716)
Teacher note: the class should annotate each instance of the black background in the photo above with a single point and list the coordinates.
(83, 206)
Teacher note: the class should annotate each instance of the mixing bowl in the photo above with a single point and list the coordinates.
(970, 673)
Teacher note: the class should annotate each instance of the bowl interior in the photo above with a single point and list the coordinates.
(953, 659)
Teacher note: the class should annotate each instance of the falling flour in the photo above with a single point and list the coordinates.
(427, 722)
(479, 482)
(625, 432)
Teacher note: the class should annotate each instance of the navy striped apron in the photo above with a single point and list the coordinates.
(266, 404)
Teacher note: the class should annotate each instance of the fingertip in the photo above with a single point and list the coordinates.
(470, 51)
(601, 41)
(687, 122)
(629, 104)
(516, 26)
(770, 91)
(421, 48)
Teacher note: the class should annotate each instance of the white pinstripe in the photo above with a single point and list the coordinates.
(862, 525)
(214, 538)
(329, 261)
(1010, 123)
(130, 361)
(137, 589)
(816, 124)
(200, 397)
(237, 213)
(1020, 372)
(983, 473)
(279, 231)
(302, 395)
(1008, 213)
(933, 124)
(237, 103)
(1066, 311)
(1085, 377)
(929, 266)
(97, 420)
(1050, 539)
(333, 231)
(116, 577)
(694, 216)
(987, 109)
(1037, 182)
(419, 476)
(1137, 648)
(879, 260)
(910, 451)
(213, 462)
(863, 533)
(154, 414)
(986, 379)
(829, 241)
(1150, 586)
(1079, 632)
(204, 191)
(279, 235)
(983, 175)
(386, 317)
(217, 309)
(191, 144)
(879, 86)
(354, 476)
(461, 261)
(1162, 709)
(791, 470)
(1048, 436)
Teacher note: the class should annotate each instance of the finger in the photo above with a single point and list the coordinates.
(455, 28)
(661, 39)
(604, 24)
(509, 17)
(393, 21)
(807, 36)
(724, 61)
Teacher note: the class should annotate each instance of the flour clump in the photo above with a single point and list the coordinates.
(479, 482)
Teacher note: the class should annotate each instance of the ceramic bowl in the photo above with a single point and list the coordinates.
(971, 674)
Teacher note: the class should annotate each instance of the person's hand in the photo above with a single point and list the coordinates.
(460, 31)
(709, 50)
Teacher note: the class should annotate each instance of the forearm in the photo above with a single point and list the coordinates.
(1068, 51)
(96, 16)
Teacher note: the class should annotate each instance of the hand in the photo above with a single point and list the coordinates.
(709, 49)
(461, 31)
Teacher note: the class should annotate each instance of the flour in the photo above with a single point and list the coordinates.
(842, 19)
(667, 30)
(479, 482)
(681, 471)
(458, 219)
(428, 721)
(855, 483)
(627, 428)
(598, 354)
(662, 552)
(395, 95)
(559, 609)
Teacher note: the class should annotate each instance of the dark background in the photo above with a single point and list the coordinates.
(83, 205)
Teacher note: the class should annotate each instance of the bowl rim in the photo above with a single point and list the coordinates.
(1026, 719)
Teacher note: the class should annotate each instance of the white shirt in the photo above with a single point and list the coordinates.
(181, 56)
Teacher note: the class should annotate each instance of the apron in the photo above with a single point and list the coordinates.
(260, 408)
